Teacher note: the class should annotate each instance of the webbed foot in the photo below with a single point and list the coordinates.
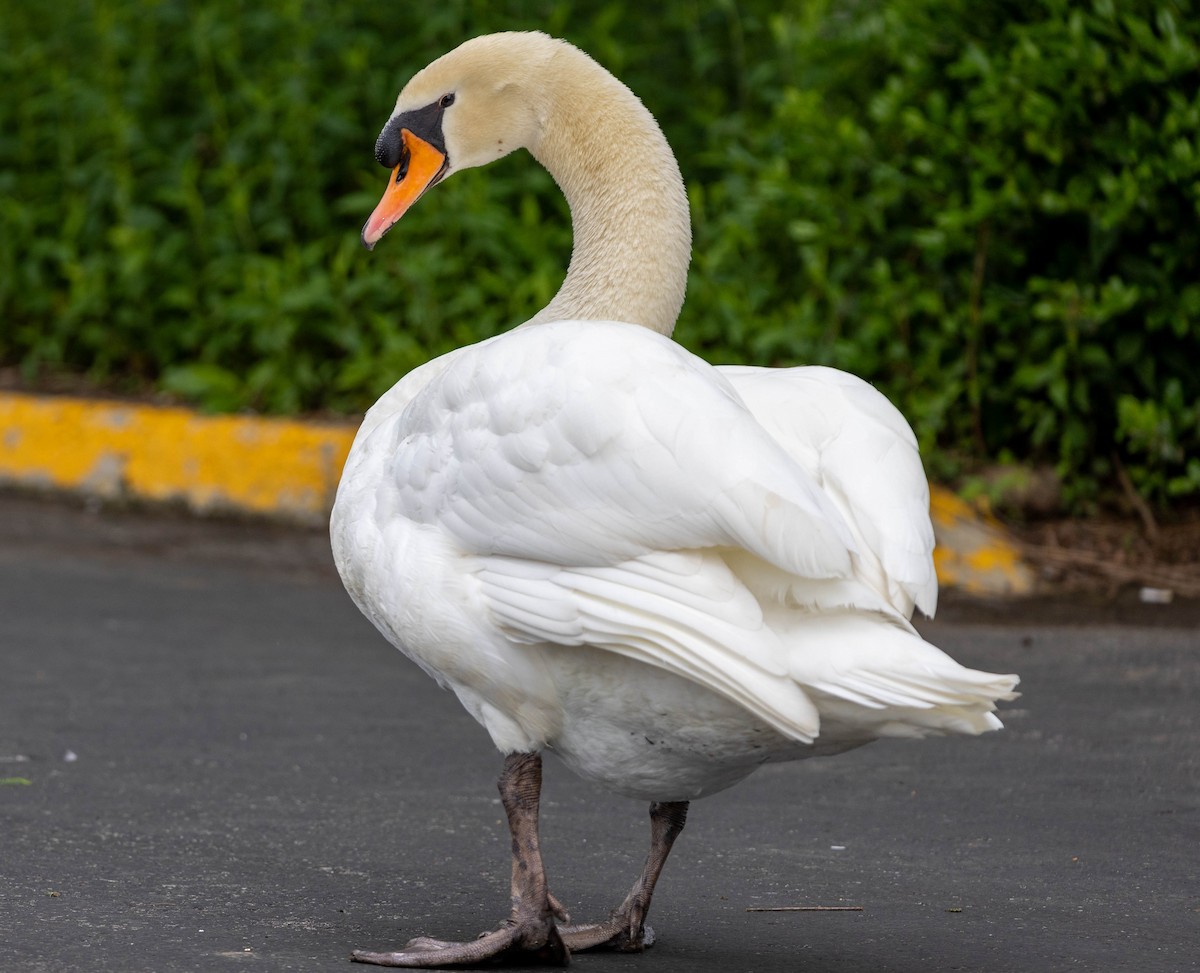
(525, 944)
(615, 934)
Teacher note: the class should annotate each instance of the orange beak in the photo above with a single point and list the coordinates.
(421, 166)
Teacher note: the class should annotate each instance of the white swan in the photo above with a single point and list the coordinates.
(668, 573)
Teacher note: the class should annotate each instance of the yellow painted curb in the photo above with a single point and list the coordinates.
(287, 469)
(973, 551)
(115, 450)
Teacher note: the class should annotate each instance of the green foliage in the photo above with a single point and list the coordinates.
(988, 208)
(1155, 435)
(181, 189)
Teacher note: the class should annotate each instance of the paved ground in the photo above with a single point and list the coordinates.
(229, 770)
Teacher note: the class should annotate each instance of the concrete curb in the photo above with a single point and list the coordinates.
(288, 470)
(974, 552)
(120, 451)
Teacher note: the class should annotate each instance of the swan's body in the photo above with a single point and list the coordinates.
(668, 573)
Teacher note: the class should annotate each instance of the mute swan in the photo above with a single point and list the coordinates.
(665, 572)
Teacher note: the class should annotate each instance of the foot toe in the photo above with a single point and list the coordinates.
(508, 944)
(560, 913)
(611, 935)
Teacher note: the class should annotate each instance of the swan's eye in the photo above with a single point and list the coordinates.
(447, 100)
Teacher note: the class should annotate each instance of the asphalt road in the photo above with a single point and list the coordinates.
(209, 761)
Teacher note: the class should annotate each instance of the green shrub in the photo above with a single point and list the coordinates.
(183, 185)
(990, 209)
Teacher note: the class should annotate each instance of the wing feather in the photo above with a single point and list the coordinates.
(859, 448)
(549, 444)
(684, 612)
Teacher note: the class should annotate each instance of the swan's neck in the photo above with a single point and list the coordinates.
(629, 208)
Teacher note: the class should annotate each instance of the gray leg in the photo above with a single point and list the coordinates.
(529, 935)
(625, 929)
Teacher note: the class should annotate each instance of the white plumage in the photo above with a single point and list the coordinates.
(667, 572)
(760, 535)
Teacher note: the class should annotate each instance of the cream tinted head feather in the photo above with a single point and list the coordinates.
(501, 92)
(497, 86)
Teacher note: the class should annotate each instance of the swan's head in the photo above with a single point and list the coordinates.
(468, 108)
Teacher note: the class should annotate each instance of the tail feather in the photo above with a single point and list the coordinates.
(868, 676)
